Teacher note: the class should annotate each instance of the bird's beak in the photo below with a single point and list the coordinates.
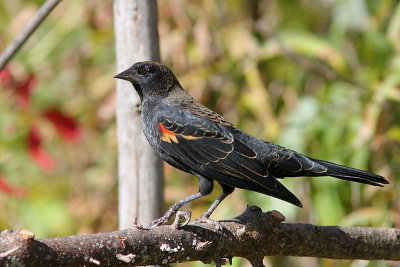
(127, 75)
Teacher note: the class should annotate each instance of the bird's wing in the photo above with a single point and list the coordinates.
(201, 111)
(279, 161)
(207, 147)
(283, 162)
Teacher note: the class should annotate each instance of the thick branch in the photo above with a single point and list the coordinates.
(23, 36)
(252, 235)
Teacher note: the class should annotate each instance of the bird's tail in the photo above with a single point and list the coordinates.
(351, 174)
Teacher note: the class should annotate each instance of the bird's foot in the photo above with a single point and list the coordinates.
(157, 222)
(163, 220)
(182, 218)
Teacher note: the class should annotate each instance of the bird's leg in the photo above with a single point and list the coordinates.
(164, 219)
(205, 218)
(213, 206)
(226, 190)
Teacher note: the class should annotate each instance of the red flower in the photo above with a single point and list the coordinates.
(24, 89)
(34, 141)
(66, 126)
(10, 189)
(5, 76)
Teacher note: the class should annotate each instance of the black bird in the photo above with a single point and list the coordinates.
(199, 141)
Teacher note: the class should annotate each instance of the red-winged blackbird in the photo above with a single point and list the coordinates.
(199, 141)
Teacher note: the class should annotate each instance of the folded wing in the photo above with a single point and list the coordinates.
(208, 148)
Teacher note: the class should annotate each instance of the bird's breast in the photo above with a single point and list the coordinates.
(149, 124)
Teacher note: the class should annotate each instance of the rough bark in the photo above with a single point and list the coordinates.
(139, 168)
(252, 235)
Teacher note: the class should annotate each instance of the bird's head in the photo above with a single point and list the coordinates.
(149, 78)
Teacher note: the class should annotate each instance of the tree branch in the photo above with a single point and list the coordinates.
(21, 38)
(252, 235)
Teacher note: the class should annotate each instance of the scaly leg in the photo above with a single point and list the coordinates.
(214, 205)
(205, 218)
(164, 219)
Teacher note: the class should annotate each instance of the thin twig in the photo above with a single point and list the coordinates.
(23, 36)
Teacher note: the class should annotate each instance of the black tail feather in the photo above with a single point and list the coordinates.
(351, 174)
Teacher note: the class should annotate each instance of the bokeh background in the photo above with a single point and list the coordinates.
(319, 76)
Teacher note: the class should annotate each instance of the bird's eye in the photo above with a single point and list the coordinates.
(149, 69)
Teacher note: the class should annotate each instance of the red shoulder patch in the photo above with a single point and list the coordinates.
(167, 135)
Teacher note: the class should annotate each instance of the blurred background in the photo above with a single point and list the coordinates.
(318, 76)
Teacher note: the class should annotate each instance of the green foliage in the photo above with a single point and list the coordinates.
(320, 77)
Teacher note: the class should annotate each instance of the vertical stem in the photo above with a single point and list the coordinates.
(139, 168)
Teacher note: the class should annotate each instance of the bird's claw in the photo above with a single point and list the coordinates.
(160, 221)
(182, 218)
